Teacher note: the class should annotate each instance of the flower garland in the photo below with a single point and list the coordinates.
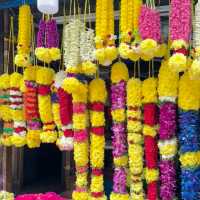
(119, 77)
(48, 41)
(31, 107)
(44, 79)
(180, 32)
(135, 138)
(22, 59)
(130, 12)
(71, 45)
(150, 31)
(194, 71)
(168, 91)
(16, 106)
(6, 195)
(97, 98)
(65, 141)
(189, 137)
(79, 93)
(106, 51)
(6, 111)
(149, 92)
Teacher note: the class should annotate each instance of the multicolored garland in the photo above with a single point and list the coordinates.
(65, 141)
(168, 92)
(6, 111)
(189, 137)
(135, 138)
(149, 92)
(180, 33)
(79, 91)
(97, 99)
(44, 79)
(31, 108)
(48, 41)
(106, 51)
(17, 112)
(119, 77)
(150, 31)
(22, 59)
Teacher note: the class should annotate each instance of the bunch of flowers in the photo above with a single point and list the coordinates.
(71, 45)
(180, 33)
(149, 92)
(6, 195)
(106, 51)
(65, 141)
(150, 32)
(48, 41)
(119, 77)
(129, 37)
(135, 138)
(189, 137)
(31, 107)
(97, 98)
(44, 79)
(79, 91)
(194, 71)
(6, 111)
(17, 113)
(168, 91)
(22, 59)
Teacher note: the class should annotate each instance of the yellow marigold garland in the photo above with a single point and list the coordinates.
(135, 138)
(97, 99)
(44, 79)
(22, 59)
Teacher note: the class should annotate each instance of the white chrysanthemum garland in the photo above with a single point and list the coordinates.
(194, 71)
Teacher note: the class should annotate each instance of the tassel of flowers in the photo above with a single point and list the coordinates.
(31, 108)
(189, 137)
(44, 79)
(6, 138)
(168, 91)
(149, 92)
(119, 77)
(65, 141)
(180, 33)
(79, 91)
(97, 98)
(16, 106)
(135, 138)
(106, 51)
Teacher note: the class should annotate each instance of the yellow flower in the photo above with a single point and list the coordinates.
(194, 70)
(149, 131)
(118, 196)
(148, 47)
(33, 138)
(80, 195)
(45, 75)
(179, 44)
(190, 159)
(118, 115)
(151, 175)
(121, 161)
(178, 62)
(89, 68)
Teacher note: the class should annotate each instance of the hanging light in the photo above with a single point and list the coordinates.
(48, 6)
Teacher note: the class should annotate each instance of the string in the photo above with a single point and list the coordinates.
(134, 72)
(149, 69)
(138, 65)
(152, 67)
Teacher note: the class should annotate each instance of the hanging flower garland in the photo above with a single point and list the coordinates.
(79, 93)
(44, 79)
(119, 77)
(194, 71)
(149, 92)
(150, 31)
(180, 33)
(106, 51)
(135, 138)
(129, 18)
(168, 91)
(22, 59)
(31, 107)
(17, 113)
(97, 98)
(6, 195)
(189, 137)
(71, 45)
(65, 141)
(6, 111)
(48, 41)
